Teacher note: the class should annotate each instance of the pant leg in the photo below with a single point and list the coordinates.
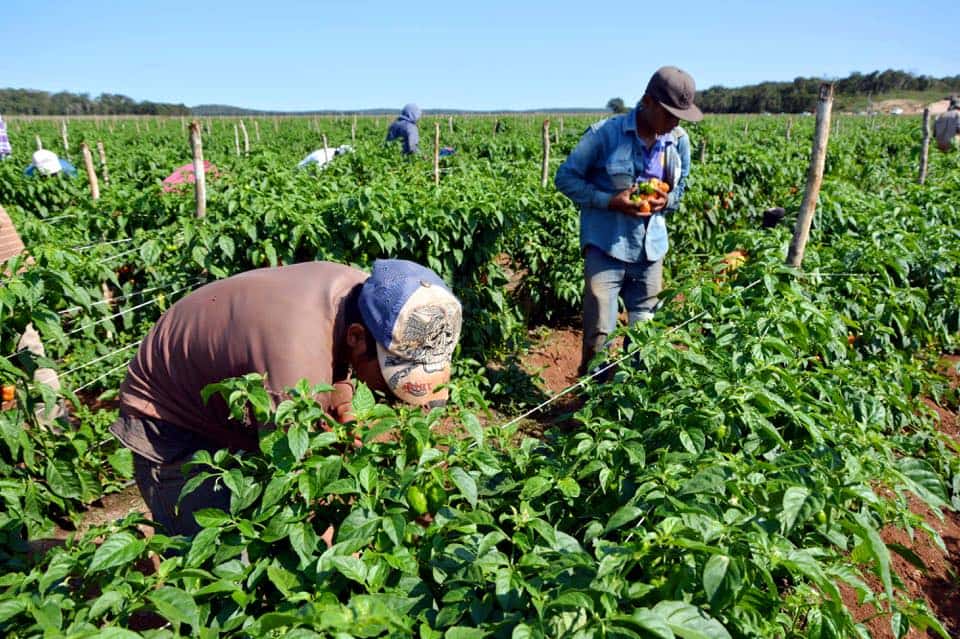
(160, 485)
(642, 284)
(603, 279)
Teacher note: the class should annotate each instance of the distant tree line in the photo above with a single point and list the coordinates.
(32, 102)
(801, 94)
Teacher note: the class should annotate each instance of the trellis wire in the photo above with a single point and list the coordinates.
(608, 366)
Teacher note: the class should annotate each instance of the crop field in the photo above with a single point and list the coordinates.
(767, 463)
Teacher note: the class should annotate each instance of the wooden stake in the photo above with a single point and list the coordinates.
(353, 131)
(236, 139)
(545, 168)
(561, 125)
(276, 124)
(63, 135)
(818, 156)
(91, 173)
(703, 150)
(324, 138)
(256, 130)
(200, 187)
(136, 123)
(925, 146)
(103, 163)
(39, 143)
(436, 153)
(450, 123)
(246, 140)
(789, 127)
(208, 126)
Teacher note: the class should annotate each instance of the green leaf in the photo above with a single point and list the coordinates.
(569, 487)
(299, 440)
(924, 481)
(622, 516)
(211, 517)
(653, 623)
(63, 480)
(119, 549)
(109, 601)
(535, 486)
(472, 425)
(465, 484)
(60, 566)
(121, 460)
(689, 622)
(363, 401)
(877, 550)
(227, 246)
(176, 606)
(463, 632)
(351, 568)
(793, 500)
(713, 574)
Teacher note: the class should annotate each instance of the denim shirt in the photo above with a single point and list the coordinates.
(608, 159)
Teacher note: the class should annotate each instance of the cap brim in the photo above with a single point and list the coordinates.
(691, 114)
(414, 382)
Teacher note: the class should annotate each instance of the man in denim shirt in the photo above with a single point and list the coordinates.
(623, 246)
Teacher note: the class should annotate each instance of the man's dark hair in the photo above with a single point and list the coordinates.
(352, 315)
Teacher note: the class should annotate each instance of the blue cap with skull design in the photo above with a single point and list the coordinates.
(415, 320)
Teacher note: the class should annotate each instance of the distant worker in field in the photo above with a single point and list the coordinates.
(46, 163)
(394, 329)
(323, 156)
(404, 128)
(946, 128)
(5, 149)
(626, 173)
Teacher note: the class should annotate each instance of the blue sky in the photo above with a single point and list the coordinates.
(291, 55)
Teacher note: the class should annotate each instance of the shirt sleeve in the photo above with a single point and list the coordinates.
(412, 142)
(571, 178)
(683, 150)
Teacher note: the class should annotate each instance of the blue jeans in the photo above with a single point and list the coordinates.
(606, 279)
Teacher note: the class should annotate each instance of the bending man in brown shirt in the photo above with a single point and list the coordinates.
(394, 329)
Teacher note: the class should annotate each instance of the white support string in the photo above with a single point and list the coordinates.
(86, 246)
(583, 382)
(102, 357)
(125, 311)
(123, 297)
(94, 381)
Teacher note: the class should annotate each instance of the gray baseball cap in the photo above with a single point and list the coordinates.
(674, 89)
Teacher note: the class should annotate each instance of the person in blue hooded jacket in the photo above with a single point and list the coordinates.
(623, 241)
(404, 128)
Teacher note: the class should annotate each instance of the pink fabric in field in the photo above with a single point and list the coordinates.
(184, 175)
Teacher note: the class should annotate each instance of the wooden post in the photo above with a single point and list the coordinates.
(496, 123)
(545, 168)
(818, 156)
(256, 130)
(789, 127)
(703, 150)
(200, 187)
(324, 139)
(925, 146)
(276, 124)
(246, 139)
(103, 163)
(236, 139)
(207, 123)
(39, 143)
(746, 127)
(436, 153)
(136, 123)
(561, 126)
(353, 130)
(91, 173)
(450, 123)
(63, 135)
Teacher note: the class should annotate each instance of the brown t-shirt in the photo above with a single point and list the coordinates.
(285, 322)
